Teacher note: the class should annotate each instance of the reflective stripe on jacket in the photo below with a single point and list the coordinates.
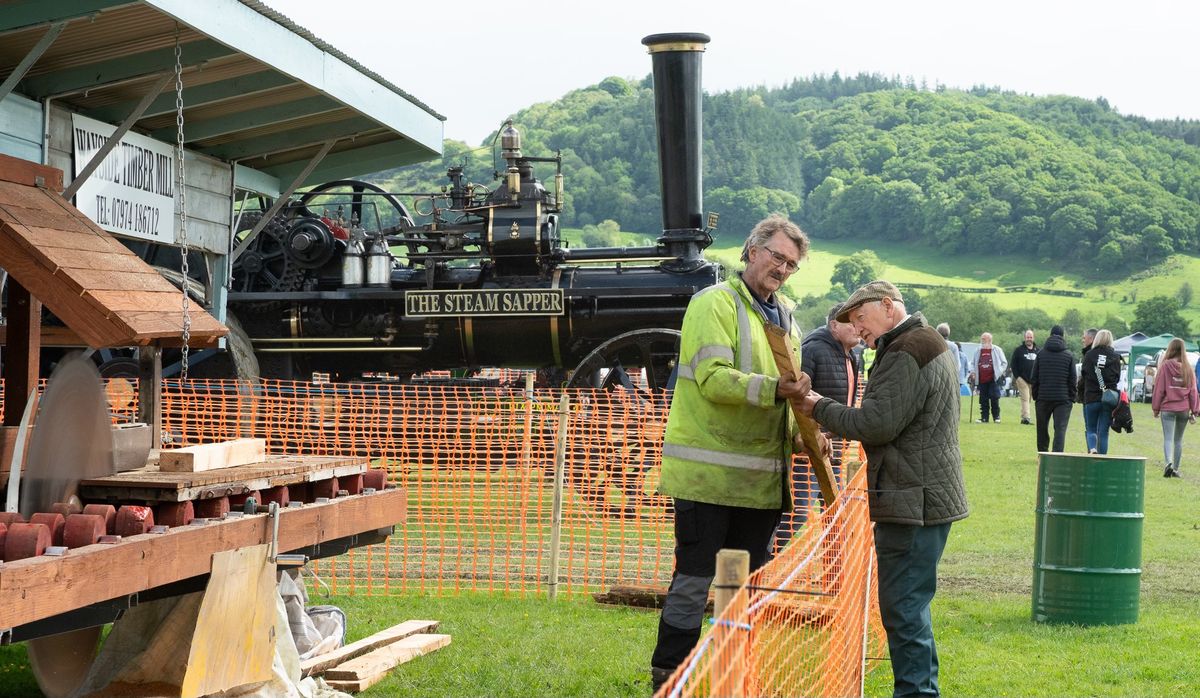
(728, 440)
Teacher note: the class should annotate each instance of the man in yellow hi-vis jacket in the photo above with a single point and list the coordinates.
(729, 439)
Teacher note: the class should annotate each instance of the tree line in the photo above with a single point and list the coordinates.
(1062, 179)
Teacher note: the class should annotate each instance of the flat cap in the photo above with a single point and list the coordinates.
(874, 291)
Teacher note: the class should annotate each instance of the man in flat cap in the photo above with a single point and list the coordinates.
(908, 424)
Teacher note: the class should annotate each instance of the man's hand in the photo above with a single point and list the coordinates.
(791, 387)
(808, 402)
(826, 446)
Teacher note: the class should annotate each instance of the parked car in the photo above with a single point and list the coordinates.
(1137, 389)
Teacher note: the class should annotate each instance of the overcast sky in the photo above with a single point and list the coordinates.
(479, 62)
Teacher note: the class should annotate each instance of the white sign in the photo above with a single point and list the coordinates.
(133, 191)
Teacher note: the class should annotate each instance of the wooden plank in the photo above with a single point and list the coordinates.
(42, 587)
(234, 639)
(44, 218)
(781, 349)
(26, 173)
(223, 454)
(22, 354)
(371, 668)
(151, 484)
(95, 280)
(318, 664)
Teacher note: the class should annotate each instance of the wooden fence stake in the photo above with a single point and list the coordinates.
(560, 457)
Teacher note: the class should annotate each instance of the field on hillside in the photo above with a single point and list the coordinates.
(921, 265)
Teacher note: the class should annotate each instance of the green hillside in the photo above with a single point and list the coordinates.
(1066, 183)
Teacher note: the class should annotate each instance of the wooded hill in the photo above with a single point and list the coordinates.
(1063, 180)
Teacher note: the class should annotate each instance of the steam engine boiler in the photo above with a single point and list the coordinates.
(343, 280)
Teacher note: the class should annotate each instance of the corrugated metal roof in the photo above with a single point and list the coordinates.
(258, 89)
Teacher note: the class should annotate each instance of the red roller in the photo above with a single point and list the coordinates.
(352, 483)
(26, 540)
(279, 495)
(325, 488)
(133, 520)
(175, 513)
(105, 511)
(66, 508)
(213, 508)
(56, 522)
(82, 529)
(9, 518)
(376, 478)
(299, 492)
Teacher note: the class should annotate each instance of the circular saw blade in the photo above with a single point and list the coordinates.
(72, 436)
(71, 441)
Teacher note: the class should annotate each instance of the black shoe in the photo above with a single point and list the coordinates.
(1026, 421)
(658, 677)
(1168, 470)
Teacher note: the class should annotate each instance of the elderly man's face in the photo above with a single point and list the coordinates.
(985, 339)
(872, 320)
(771, 264)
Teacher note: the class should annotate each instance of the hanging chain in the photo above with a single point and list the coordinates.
(181, 192)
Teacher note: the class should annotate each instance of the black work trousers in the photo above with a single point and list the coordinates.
(1061, 412)
(701, 530)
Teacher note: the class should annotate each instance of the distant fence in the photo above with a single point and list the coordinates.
(993, 289)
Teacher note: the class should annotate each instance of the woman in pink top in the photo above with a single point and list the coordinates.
(1175, 401)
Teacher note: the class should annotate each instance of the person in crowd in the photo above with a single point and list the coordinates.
(908, 424)
(1089, 336)
(730, 434)
(944, 330)
(827, 357)
(1052, 385)
(1175, 402)
(987, 370)
(1101, 370)
(1023, 358)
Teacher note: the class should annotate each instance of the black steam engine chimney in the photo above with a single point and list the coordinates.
(677, 100)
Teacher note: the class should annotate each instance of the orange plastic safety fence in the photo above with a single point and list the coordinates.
(804, 624)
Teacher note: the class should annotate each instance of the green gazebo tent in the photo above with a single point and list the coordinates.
(1151, 347)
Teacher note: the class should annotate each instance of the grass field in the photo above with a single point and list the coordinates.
(906, 263)
(508, 646)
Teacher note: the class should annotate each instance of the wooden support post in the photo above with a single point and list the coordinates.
(150, 392)
(560, 457)
(730, 639)
(781, 348)
(22, 354)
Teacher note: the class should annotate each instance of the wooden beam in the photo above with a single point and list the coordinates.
(43, 587)
(371, 668)
(31, 174)
(22, 352)
(784, 353)
(318, 664)
(223, 454)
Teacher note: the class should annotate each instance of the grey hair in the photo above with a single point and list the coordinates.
(944, 330)
(767, 228)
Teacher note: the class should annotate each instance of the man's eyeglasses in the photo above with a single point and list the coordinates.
(781, 261)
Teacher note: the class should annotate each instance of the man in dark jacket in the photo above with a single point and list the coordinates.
(1021, 365)
(908, 424)
(1053, 385)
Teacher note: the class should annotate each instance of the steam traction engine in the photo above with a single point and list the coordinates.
(344, 281)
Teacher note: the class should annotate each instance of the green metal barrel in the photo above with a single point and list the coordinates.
(1087, 560)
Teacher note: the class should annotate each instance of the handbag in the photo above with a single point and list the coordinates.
(1108, 397)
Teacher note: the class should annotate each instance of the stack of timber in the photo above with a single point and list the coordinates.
(364, 663)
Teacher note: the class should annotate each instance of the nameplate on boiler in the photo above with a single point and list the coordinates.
(485, 302)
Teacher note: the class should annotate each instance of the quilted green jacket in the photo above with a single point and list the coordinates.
(908, 425)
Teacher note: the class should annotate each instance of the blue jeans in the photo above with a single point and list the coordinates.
(908, 558)
(1097, 417)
